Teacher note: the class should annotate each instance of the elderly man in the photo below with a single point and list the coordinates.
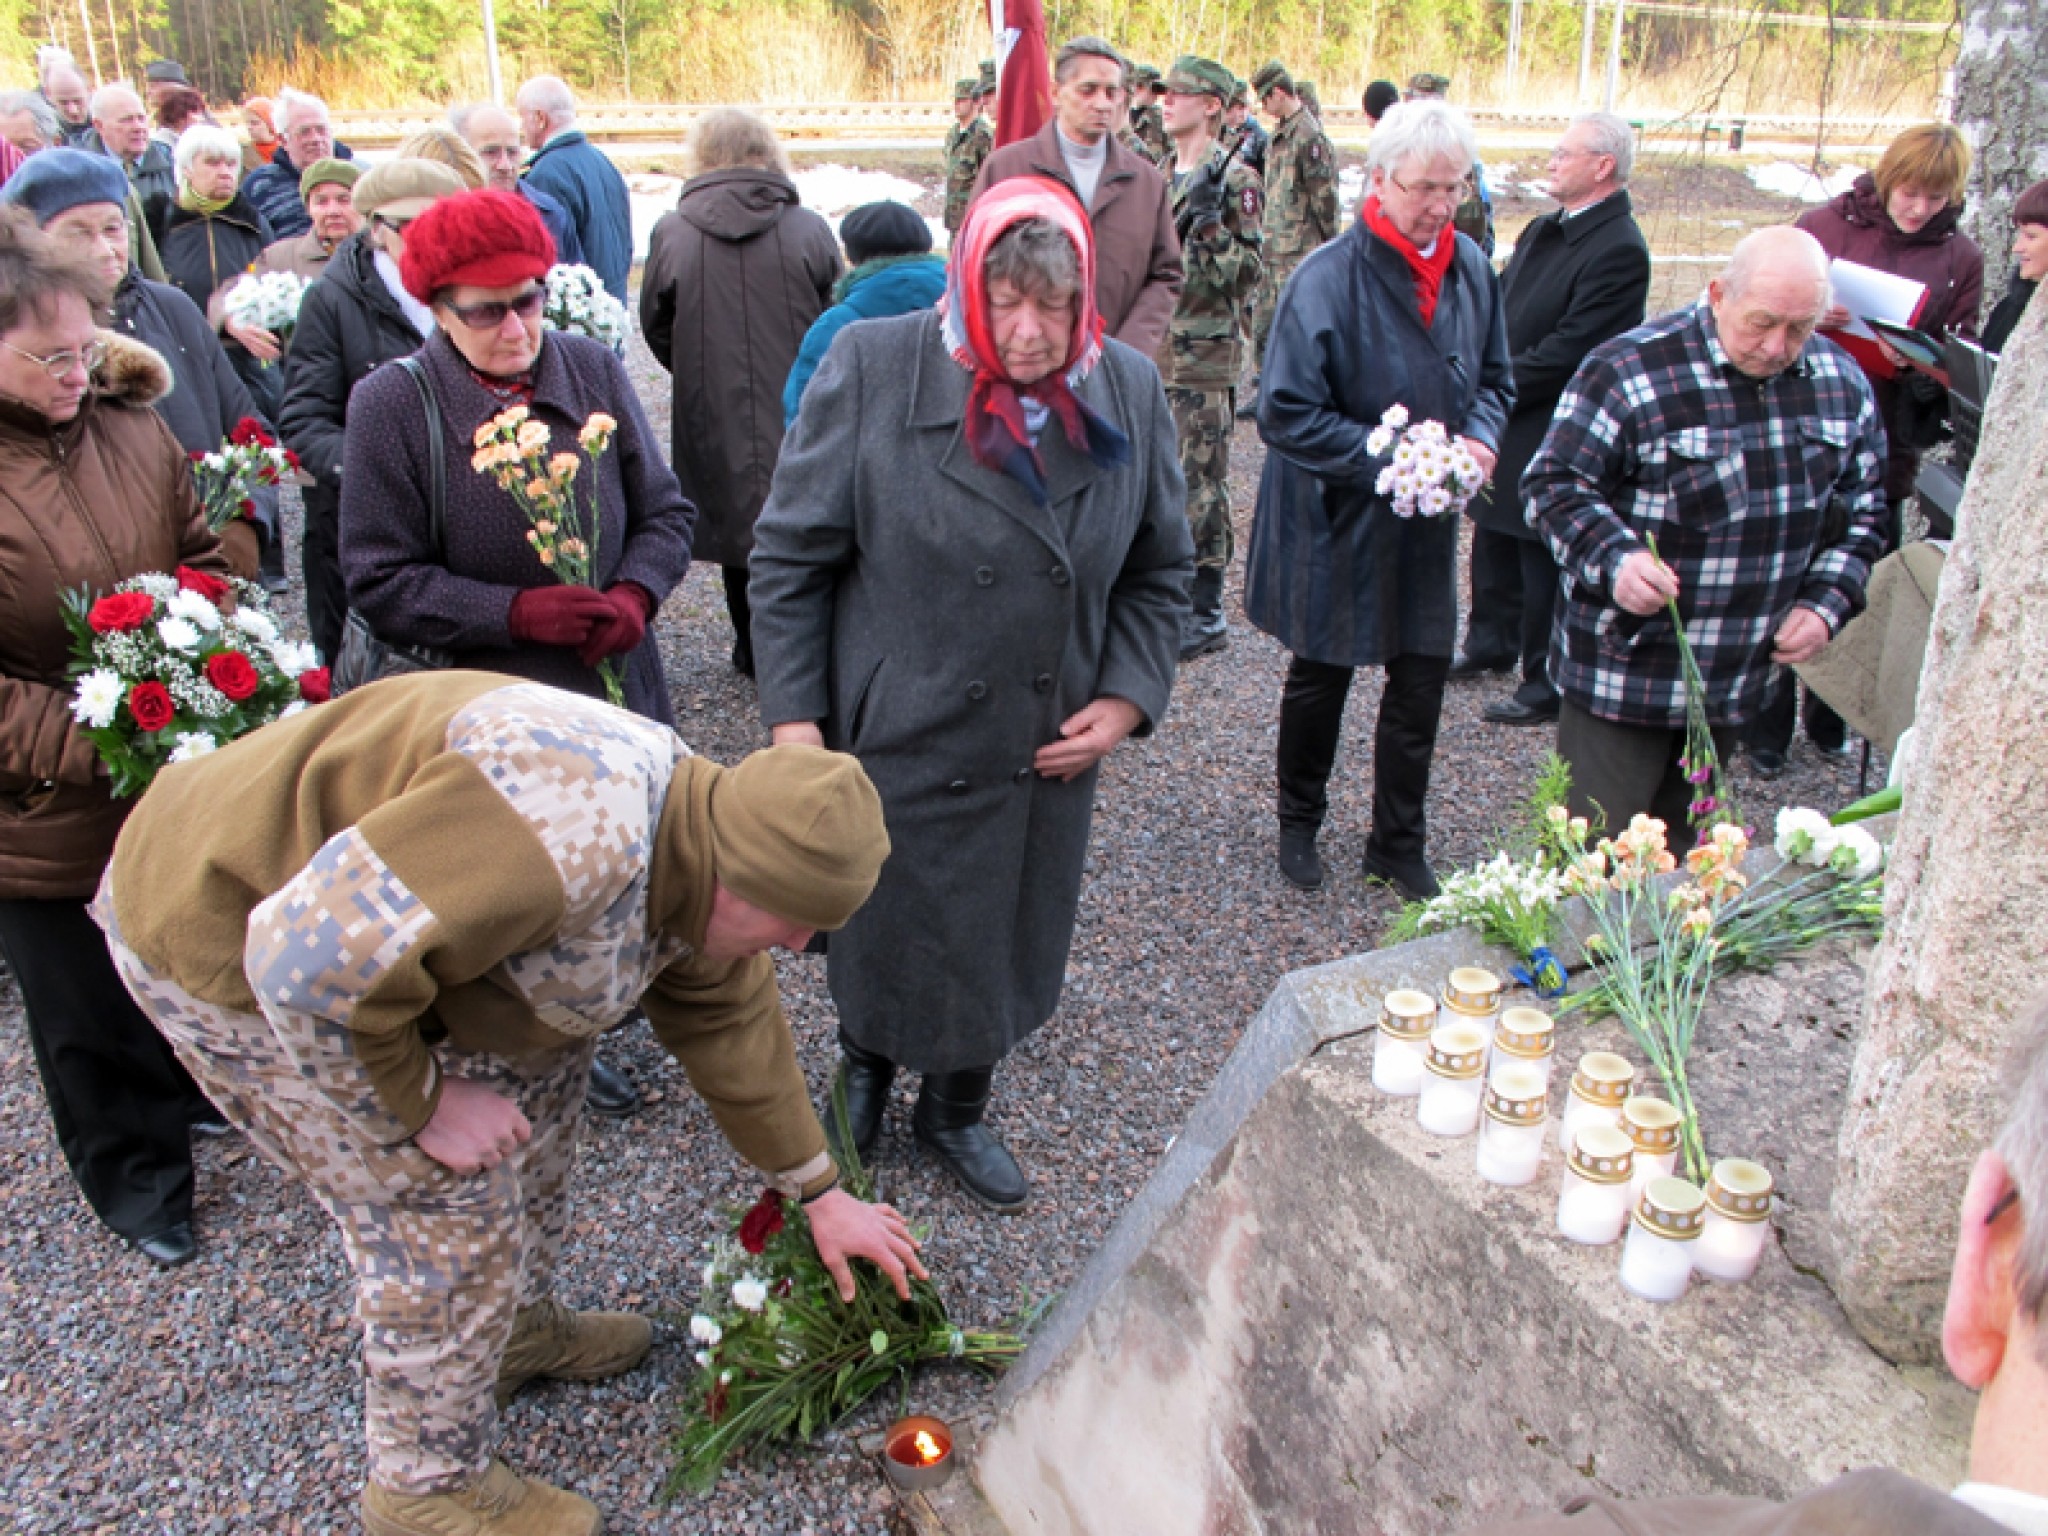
(1579, 276)
(567, 167)
(494, 134)
(1995, 1337)
(386, 935)
(28, 122)
(1301, 201)
(1734, 437)
(328, 189)
(1137, 257)
(305, 135)
(120, 125)
(71, 98)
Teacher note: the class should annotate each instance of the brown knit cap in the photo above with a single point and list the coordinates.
(797, 831)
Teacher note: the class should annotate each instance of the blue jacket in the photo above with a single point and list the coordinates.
(577, 174)
(274, 189)
(568, 245)
(890, 285)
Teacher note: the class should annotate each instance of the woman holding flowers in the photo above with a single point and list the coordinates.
(1402, 311)
(212, 237)
(539, 428)
(96, 492)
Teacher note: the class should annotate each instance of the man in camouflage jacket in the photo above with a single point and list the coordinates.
(967, 145)
(1148, 123)
(1218, 207)
(1301, 197)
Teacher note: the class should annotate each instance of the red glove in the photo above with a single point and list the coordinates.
(562, 615)
(632, 605)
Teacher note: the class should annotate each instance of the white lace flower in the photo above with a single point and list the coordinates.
(99, 696)
(749, 1294)
(178, 634)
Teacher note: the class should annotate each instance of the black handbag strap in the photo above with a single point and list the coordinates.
(437, 455)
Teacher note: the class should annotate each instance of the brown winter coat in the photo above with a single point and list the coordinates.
(734, 278)
(1872, 1502)
(102, 498)
(1138, 272)
(304, 255)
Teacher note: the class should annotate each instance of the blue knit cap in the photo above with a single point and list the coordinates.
(53, 180)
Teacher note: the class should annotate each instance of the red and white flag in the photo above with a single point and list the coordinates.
(1023, 77)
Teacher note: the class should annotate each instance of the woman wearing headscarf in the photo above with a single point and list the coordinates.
(971, 574)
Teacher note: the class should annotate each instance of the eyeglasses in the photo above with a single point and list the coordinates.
(58, 365)
(396, 226)
(490, 314)
(1434, 191)
(2005, 1203)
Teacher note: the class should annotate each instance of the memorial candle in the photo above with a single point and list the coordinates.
(1593, 1205)
(1511, 1136)
(1738, 1223)
(1525, 1037)
(1472, 995)
(1449, 1105)
(1402, 1043)
(1652, 1125)
(1599, 1089)
(1656, 1261)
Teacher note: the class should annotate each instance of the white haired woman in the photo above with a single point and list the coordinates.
(1400, 310)
(213, 236)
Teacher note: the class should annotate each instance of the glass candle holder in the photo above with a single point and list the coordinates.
(1599, 1088)
(1402, 1045)
(1738, 1223)
(1454, 1082)
(1523, 1037)
(1593, 1206)
(1472, 995)
(1652, 1125)
(1656, 1261)
(1512, 1134)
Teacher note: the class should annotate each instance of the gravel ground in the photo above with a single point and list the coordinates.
(223, 1397)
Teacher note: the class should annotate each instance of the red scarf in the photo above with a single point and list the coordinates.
(1429, 270)
(996, 432)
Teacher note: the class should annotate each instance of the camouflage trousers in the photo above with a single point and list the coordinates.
(1266, 298)
(1203, 418)
(442, 1262)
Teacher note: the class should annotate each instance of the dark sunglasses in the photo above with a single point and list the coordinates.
(396, 226)
(491, 314)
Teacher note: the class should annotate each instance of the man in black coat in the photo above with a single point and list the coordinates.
(1579, 276)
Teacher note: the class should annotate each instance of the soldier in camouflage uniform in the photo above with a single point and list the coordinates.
(1147, 121)
(1301, 199)
(1241, 131)
(967, 144)
(1217, 205)
(1306, 90)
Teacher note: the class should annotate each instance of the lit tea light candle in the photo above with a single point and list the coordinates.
(1455, 1081)
(1738, 1221)
(1652, 1125)
(1656, 1261)
(1523, 1037)
(1472, 993)
(1593, 1206)
(1511, 1136)
(1599, 1089)
(1402, 1044)
(917, 1453)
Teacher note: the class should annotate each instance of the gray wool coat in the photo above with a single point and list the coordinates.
(940, 627)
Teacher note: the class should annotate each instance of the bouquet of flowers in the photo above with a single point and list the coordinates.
(228, 476)
(514, 449)
(1432, 473)
(171, 667)
(577, 303)
(780, 1357)
(1511, 901)
(269, 303)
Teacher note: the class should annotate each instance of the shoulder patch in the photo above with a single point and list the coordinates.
(1248, 202)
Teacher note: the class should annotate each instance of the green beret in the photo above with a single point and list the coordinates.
(1430, 85)
(962, 89)
(321, 173)
(1270, 74)
(1193, 75)
(1146, 74)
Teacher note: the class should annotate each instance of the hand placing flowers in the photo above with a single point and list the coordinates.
(1430, 474)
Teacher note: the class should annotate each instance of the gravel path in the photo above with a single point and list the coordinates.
(224, 1397)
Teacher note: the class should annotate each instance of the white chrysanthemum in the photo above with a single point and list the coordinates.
(291, 657)
(191, 744)
(1805, 836)
(1395, 416)
(99, 696)
(705, 1331)
(1856, 853)
(296, 707)
(1378, 440)
(749, 1294)
(178, 634)
(190, 605)
(257, 625)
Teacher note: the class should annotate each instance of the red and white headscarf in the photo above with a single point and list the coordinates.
(997, 433)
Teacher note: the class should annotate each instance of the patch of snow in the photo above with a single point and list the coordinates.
(832, 190)
(1784, 179)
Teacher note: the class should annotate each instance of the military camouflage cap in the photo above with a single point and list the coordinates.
(1306, 90)
(962, 89)
(1270, 74)
(1426, 84)
(1146, 74)
(988, 77)
(1193, 75)
(1240, 93)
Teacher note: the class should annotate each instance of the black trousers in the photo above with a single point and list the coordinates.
(1312, 724)
(742, 614)
(1772, 727)
(1622, 771)
(121, 1102)
(320, 564)
(1514, 592)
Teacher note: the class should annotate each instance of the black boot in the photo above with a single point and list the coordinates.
(1204, 630)
(948, 1120)
(864, 1078)
(610, 1092)
(1404, 744)
(1311, 723)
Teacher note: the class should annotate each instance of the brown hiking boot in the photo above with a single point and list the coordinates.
(500, 1503)
(548, 1339)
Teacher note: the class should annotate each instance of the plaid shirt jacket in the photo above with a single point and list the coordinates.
(1660, 436)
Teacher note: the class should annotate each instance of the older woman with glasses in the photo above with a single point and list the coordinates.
(93, 490)
(1400, 310)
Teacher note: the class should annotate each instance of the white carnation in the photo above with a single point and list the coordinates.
(178, 634)
(257, 625)
(749, 1294)
(1856, 853)
(705, 1331)
(1805, 836)
(190, 605)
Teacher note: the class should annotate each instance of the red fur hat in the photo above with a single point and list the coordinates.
(486, 239)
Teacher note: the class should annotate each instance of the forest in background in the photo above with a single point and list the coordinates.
(1680, 57)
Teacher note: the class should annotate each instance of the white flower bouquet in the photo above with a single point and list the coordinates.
(1431, 474)
(170, 668)
(577, 303)
(228, 477)
(269, 303)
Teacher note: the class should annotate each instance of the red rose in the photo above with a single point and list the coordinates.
(150, 704)
(292, 459)
(249, 433)
(762, 1221)
(196, 455)
(248, 507)
(316, 686)
(233, 674)
(121, 611)
(212, 588)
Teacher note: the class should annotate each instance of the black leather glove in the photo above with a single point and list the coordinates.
(1202, 210)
